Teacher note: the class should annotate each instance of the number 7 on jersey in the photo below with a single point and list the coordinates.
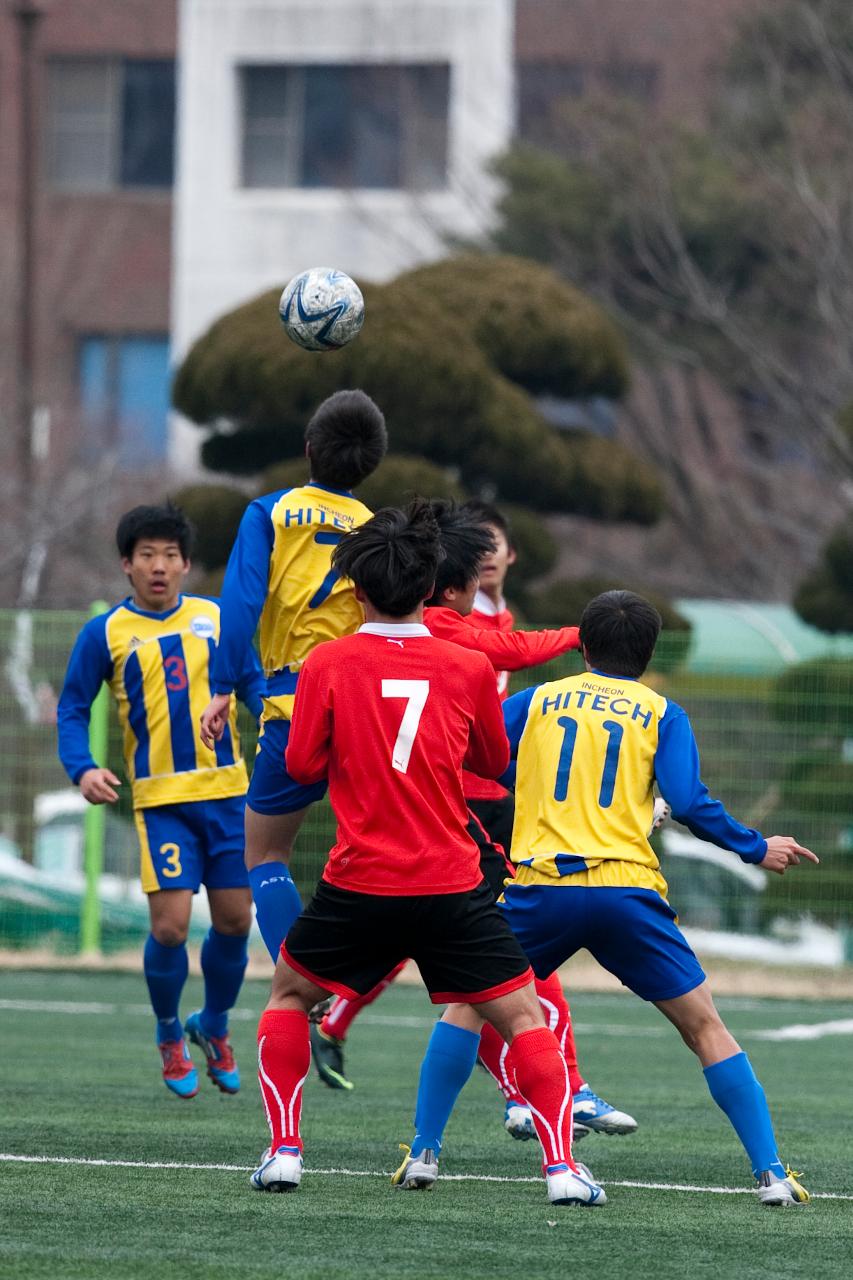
(415, 692)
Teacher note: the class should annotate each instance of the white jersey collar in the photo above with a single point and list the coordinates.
(483, 604)
(395, 630)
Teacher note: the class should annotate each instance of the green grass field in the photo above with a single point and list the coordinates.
(82, 1085)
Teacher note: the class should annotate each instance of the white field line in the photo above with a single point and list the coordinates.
(796, 1031)
(252, 1015)
(376, 1173)
(808, 1030)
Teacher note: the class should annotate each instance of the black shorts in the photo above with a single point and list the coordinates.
(497, 817)
(495, 866)
(347, 942)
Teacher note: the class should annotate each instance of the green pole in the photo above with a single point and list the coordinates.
(94, 821)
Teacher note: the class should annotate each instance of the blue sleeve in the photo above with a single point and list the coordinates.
(677, 774)
(516, 710)
(244, 592)
(252, 685)
(89, 666)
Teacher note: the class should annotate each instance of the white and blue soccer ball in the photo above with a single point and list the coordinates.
(321, 309)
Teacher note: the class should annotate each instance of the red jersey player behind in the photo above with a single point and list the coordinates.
(389, 715)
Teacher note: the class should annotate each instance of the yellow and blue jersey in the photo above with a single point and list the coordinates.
(157, 667)
(588, 751)
(279, 575)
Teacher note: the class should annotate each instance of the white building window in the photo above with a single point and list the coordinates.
(353, 126)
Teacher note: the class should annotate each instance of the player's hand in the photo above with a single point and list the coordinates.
(214, 718)
(96, 786)
(784, 852)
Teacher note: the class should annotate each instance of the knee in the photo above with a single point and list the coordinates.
(169, 933)
(257, 857)
(235, 926)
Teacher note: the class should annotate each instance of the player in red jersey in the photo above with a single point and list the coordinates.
(465, 549)
(389, 715)
(446, 618)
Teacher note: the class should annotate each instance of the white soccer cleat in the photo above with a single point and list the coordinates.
(773, 1190)
(278, 1171)
(518, 1121)
(591, 1112)
(567, 1187)
(416, 1173)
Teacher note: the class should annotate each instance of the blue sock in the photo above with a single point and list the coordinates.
(223, 963)
(736, 1090)
(165, 972)
(448, 1063)
(277, 903)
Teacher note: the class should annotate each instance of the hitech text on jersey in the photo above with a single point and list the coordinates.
(157, 666)
(589, 749)
(280, 573)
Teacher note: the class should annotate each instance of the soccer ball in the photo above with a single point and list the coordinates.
(321, 309)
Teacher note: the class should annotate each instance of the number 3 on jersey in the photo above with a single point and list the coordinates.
(415, 692)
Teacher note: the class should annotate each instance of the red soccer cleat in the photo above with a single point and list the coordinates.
(179, 1074)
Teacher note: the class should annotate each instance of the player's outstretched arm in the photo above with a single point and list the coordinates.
(506, 650)
(98, 786)
(784, 852)
(678, 778)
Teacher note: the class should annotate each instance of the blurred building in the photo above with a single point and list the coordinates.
(352, 132)
(347, 133)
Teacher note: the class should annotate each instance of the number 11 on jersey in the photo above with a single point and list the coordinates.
(415, 692)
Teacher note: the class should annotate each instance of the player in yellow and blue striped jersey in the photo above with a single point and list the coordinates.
(280, 582)
(155, 651)
(589, 750)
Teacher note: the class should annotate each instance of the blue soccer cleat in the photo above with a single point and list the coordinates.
(179, 1074)
(591, 1112)
(279, 1170)
(221, 1066)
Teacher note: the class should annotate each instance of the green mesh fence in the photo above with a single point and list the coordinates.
(778, 750)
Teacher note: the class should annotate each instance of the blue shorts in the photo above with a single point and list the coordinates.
(631, 932)
(183, 846)
(272, 790)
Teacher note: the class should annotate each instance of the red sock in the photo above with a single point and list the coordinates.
(340, 1017)
(558, 1016)
(284, 1059)
(494, 1055)
(543, 1079)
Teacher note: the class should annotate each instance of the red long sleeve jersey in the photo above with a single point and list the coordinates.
(389, 715)
(507, 650)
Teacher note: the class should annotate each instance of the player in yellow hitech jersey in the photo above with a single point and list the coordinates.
(589, 750)
(280, 575)
(155, 651)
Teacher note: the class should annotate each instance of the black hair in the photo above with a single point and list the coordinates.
(167, 522)
(619, 631)
(347, 439)
(466, 542)
(486, 513)
(393, 557)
